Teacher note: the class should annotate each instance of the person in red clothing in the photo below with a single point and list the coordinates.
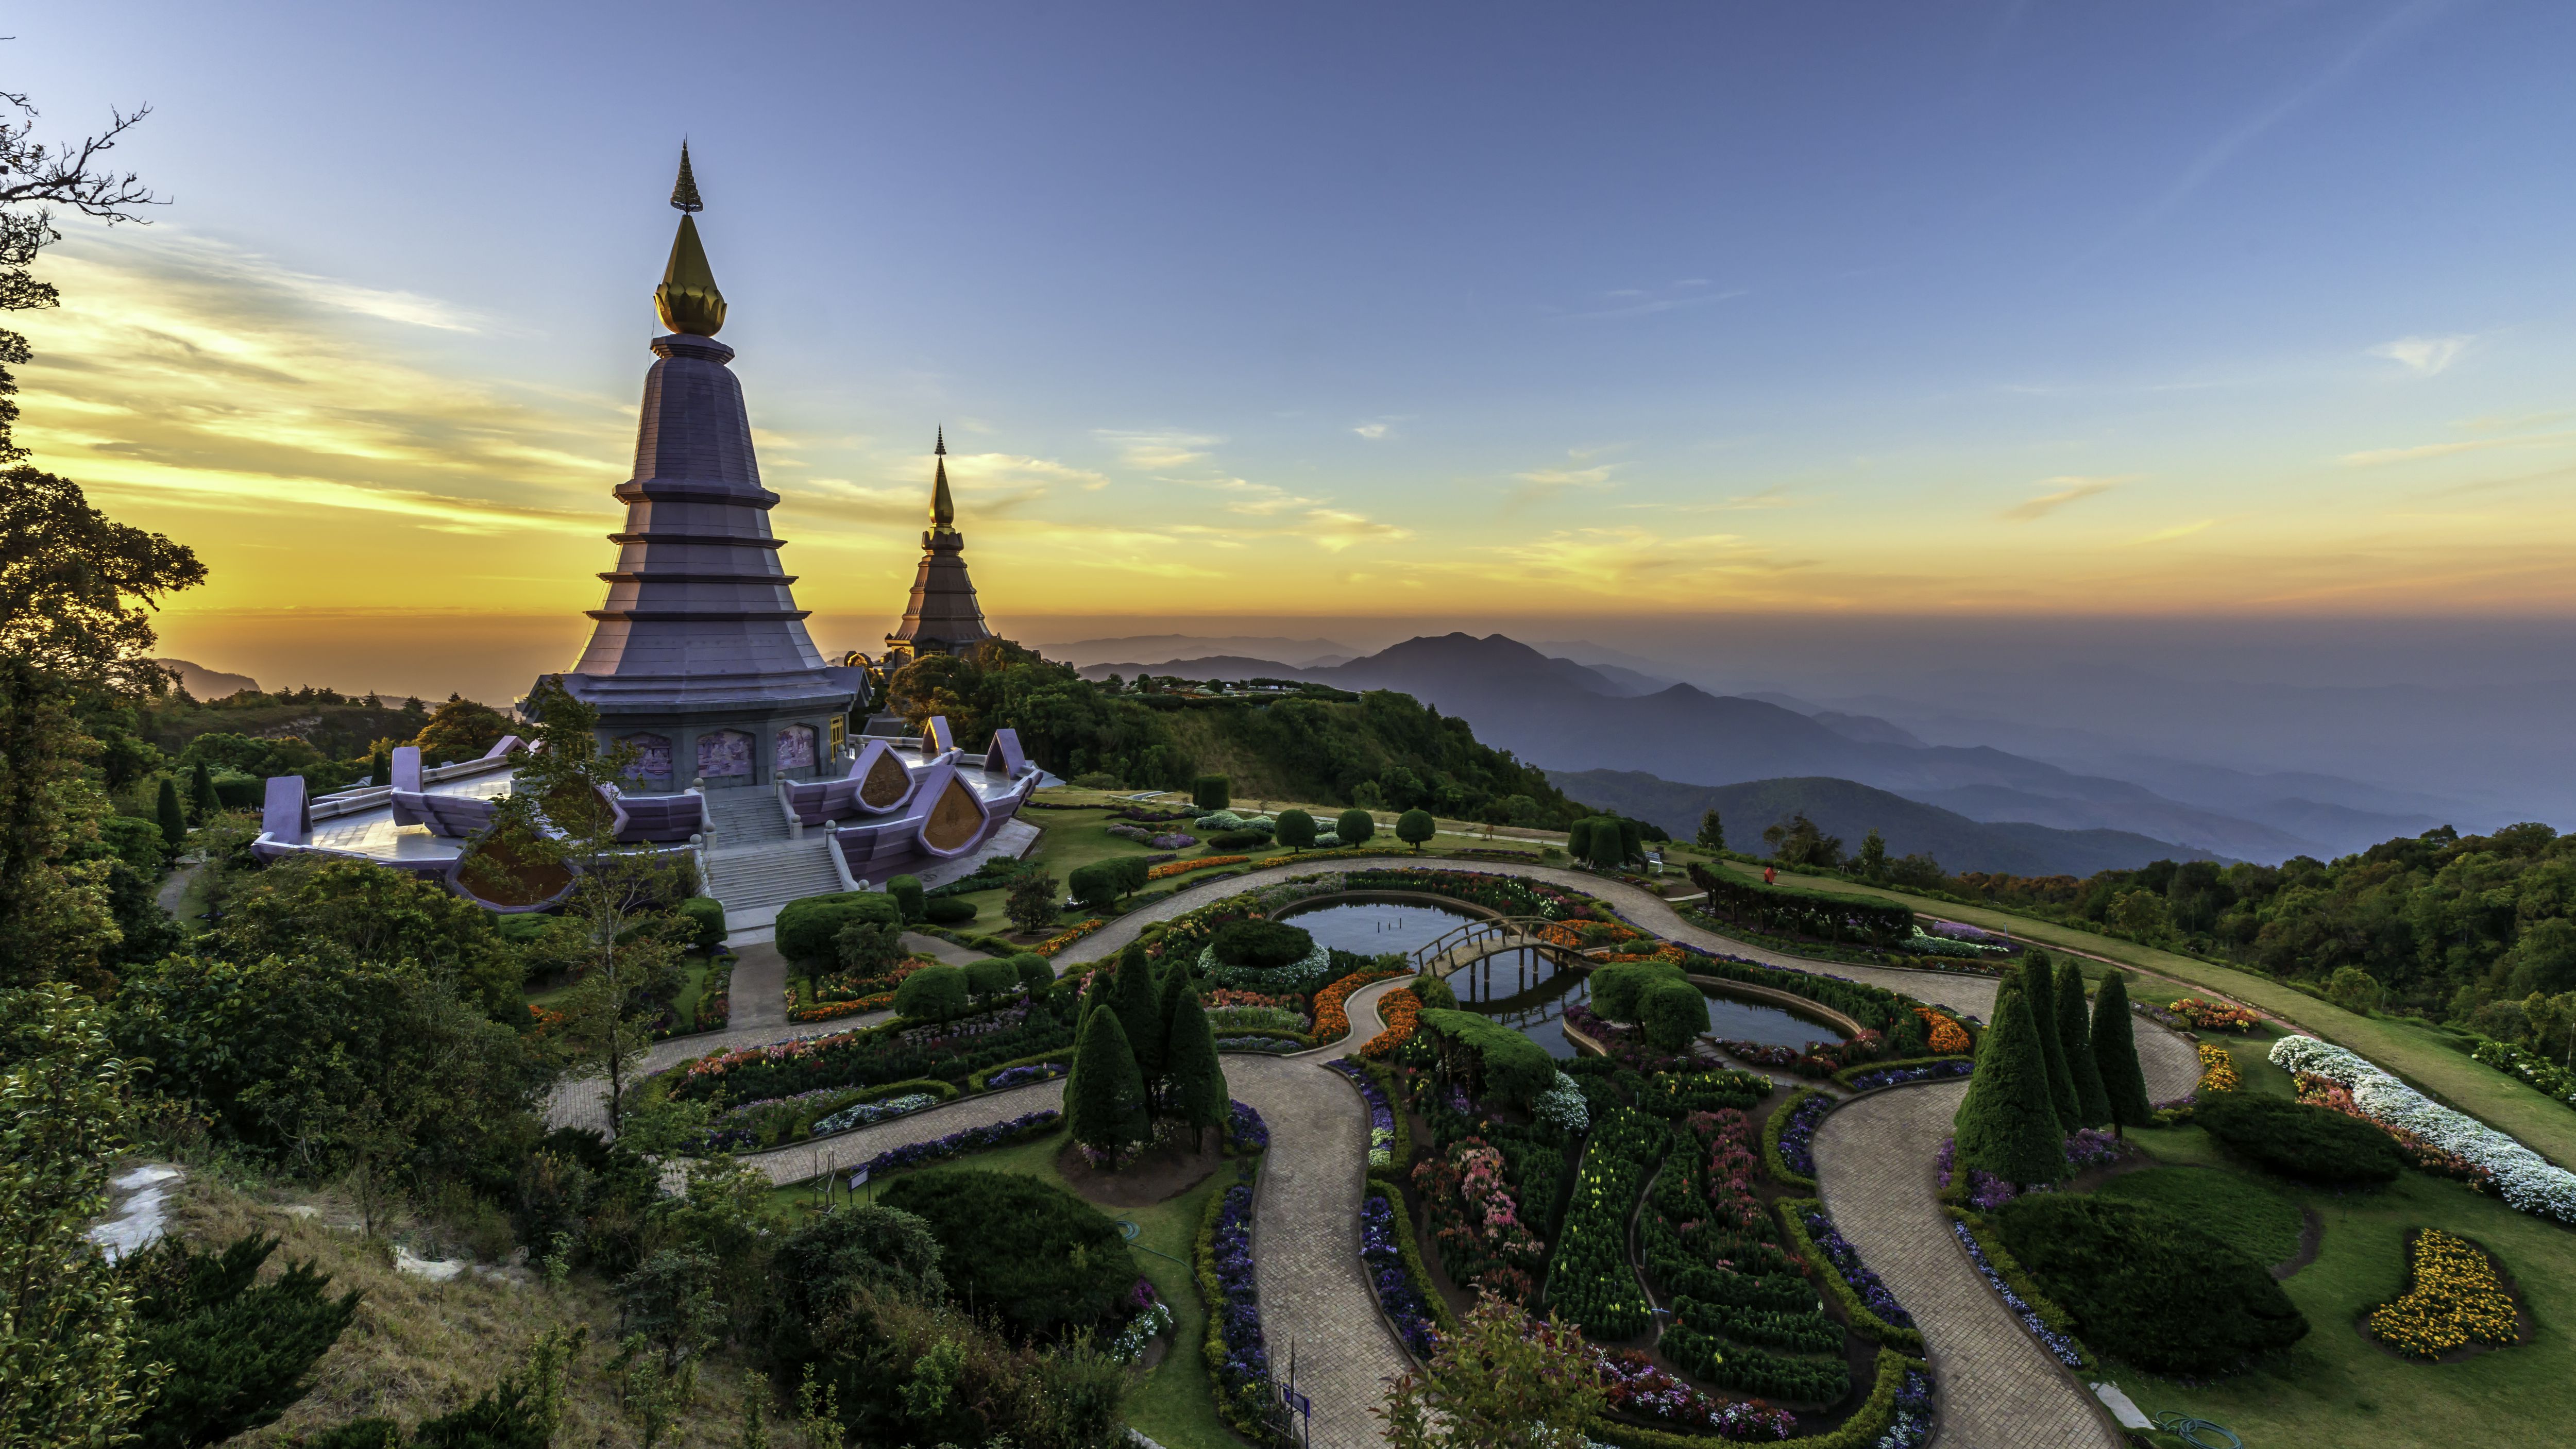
(1770, 876)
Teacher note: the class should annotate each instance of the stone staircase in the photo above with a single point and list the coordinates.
(755, 867)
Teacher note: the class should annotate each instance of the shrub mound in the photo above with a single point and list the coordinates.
(805, 928)
(1261, 945)
(1025, 1249)
(2294, 1139)
(2147, 1285)
(948, 911)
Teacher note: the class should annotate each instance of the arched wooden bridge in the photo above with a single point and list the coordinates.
(1491, 937)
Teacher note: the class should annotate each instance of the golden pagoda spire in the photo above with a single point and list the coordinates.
(943, 509)
(688, 299)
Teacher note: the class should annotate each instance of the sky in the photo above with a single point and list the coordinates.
(1548, 318)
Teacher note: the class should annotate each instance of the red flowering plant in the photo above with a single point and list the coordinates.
(2207, 1015)
(2334, 1096)
(1475, 1220)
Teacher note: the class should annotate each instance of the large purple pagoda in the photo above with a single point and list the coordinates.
(699, 656)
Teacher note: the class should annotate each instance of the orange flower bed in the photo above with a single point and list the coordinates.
(547, 1019)
(1062, 939)
(1332, 1023)
(1948, 1037)
(1402, 1010)
(1665, 952)
(832, 1009)
(1184, 867)
(2207, 1015)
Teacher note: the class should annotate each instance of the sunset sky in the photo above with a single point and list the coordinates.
(1449, 313)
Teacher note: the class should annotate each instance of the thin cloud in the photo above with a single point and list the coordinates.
(1157, 450)
(2069, 490)
(1372, 431)
(1336, 529)
(1633, 302)
(2183, 530)
(2423, 356)
(2374, 457)
(1540, 484)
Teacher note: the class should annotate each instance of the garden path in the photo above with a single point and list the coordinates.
(583, 1101)
(847, 1150)
(759, 988)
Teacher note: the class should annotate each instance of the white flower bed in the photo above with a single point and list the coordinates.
(2527, 1180)
(1562, 1106)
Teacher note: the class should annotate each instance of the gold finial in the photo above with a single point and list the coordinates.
(684, 195)
(943, 509)
(688, 299)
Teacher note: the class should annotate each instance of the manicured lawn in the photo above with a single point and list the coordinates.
(1176, 1405)
(2238, 1207)
(2337, 1388)
(2424, 1056)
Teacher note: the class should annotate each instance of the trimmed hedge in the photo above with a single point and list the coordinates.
(948, 912)
(1843, 1078)
(805, 928)
(1779, 1123)
(1512, 1066)
(1743, 1367)
(1784, 911)
(975, 1080)
(2313, 1144)
(2176, 1298)
(1020, 1247)
(1588, 1277)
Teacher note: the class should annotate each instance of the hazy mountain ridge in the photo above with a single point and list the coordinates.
(1571, 717)
(1851, 811)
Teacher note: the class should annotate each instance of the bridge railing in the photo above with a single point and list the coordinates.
(1509, 933)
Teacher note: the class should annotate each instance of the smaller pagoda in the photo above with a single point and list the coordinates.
(942, 616)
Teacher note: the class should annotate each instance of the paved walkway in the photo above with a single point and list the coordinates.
(939, 950)
(759, 989)
(174, 887)
(847, 1150)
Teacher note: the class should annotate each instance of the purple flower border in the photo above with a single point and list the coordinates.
(1874, 1294)
(1403, 1302)
(971, 1139)
(2058, 1344)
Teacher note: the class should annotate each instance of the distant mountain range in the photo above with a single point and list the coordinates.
(1849, 810)
(204, 683)
(1571, 717)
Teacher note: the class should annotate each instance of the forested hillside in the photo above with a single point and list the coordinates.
(2444, 923)
(1308, 742)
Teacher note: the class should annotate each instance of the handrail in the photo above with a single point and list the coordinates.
(1509, 933)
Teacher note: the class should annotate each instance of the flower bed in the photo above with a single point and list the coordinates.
(1386, 1248)
(1507, 894)
(1676, 1095)
(834, 1010)
(1738, 1364)
(1788, 1141)
(870, 1056)
(1281, 1019)
(1588, 1275)
(1637, 1387)
(1226, 998)
(1237, 1357)
(2547, 1076)
(1061, 939)
(1245, 1133)
(1382, 1123)
(1155, 1320)
(715, 1002)
(868, 1114)
(2454, 1298)
(2217, 1069)
(1873, 1309)
(1401, 1010)
(1022, 1076)
(2207, 1015)
(2061, 1346)
(1332, 1021)
(1277, 1046)
(842, 986)
(2324, 1092)
(972, 1139)
(1475, 1220)
(1947, 1037)
(2524, 1178)
(1169, 869)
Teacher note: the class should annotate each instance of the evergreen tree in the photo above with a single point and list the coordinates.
(1415, 826)
(2115, 1051)
(174, 823)
(1198, 1097)
(1296, 829)
(202, 799)
(1104, 1102)
(1355, 826)
(2072, 1035)
(2008, 1124)
(1712, 831)
(1140, 1014)
(1873, 855)
(2039, 988)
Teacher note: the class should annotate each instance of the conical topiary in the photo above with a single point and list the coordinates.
(2007, 1125)
(2039, 988)
(2115, 1051)
(203, 799)
(1104, 1102)
(1198, 1094)
(2077, 1039)
(173, 822)
(1140, 1011)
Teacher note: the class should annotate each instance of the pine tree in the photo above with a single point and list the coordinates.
(2115, 1051)
(174, 823)
(201, 794)
(1140, 1012)
(1198, 1098)
(2007, 1125)
(1712, 831)
(1105, 1100)
(2077, 1041)
(2039, 988)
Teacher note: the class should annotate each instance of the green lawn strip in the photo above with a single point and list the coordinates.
(693, 985)
(1175, 1405)
(2336, 1386)
(2410, 1050)
(2238, 1207)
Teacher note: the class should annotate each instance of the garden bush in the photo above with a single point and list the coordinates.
(2160, 1291)
(1026, 1250)
(906, 891)
(1261, 945)
(1588, 1277)
(933, 993)
(2293, 1139)
(706, 913)
(991, 977)
(1672, 1012)
(1211, 792)
(1784, 911)
(1354, 827)
(1508, 1064)
(1034, 971)
(805, 928)
(948, 912)
(1617, 989)
(1237, 840)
